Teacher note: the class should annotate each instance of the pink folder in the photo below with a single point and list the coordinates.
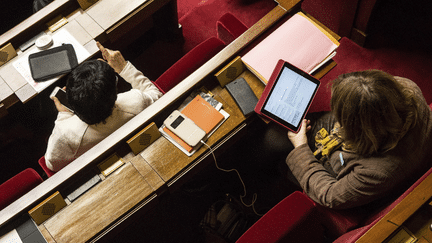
(298, 41)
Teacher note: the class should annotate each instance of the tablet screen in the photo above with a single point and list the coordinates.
(290, 97)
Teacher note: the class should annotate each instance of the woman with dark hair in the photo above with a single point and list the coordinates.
(92, 91)
(384, 127)
(97, 108)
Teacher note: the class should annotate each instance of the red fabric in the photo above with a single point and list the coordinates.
(229, 28)
(189, 63)
(160, 89)
(17, 186)
(351, 57)
(199, 24)
(352, 236)
(296, 215)
(291, 220)
(45, 168)
(356, 234)
(338, 222)
(326, 12)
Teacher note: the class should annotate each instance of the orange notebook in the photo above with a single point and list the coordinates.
(177, 139)
(203, 114)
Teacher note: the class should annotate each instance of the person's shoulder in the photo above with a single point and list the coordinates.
(70, 126)
(131, 101)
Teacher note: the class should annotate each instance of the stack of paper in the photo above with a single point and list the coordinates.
(204, 115)
(299, 41)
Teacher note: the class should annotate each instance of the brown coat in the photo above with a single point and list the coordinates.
(362, 180)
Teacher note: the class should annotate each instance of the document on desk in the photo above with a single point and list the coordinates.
(11, 237)
(60, 37)
(299, 41)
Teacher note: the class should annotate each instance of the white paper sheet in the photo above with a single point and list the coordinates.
(11, 237)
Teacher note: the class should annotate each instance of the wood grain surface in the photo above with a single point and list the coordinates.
(100, 207)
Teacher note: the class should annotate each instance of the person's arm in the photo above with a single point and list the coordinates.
(140, 82)
(125, 69)
(361, 181)
(360, 184)
(59, 151)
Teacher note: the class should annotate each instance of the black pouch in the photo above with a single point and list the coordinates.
(48, 64)
(225, 221)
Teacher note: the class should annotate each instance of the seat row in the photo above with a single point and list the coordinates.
(229, 28)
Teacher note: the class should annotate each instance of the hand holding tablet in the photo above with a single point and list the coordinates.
(287, 96)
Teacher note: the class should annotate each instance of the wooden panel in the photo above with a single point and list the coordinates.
(89, 25)
(152, 178)
(115, 9)
(36, 23)
(420, 223)
(99, 207)
(401, 212)
(78, 32)
(11, 76)
(25, 93)
(5, 90)
(46, 234)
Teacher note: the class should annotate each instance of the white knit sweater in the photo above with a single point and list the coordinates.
(72, 137)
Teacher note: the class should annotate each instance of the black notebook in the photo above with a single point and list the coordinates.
(243, 95)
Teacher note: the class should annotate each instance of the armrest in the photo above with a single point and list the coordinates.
(293, 218)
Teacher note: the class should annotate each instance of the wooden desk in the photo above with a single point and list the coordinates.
(414, 213)
(116, 21)
(92, 215)
(157, 111)
(172, 164)
(137, 184)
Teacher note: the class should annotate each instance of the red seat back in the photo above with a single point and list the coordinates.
(18, 185)
(229, 28)
(294, 219)
(189, 63)
(42, 163)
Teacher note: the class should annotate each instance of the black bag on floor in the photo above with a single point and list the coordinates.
(225, 221)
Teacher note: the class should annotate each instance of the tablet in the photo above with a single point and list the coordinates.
(287, 96)
(48, 64)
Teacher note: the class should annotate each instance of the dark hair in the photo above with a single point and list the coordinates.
(91, 91)
(375, 111)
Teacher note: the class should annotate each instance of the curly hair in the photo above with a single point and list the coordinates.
(91, 91)
(374, 110)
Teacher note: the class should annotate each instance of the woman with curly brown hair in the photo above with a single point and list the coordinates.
(384, 125)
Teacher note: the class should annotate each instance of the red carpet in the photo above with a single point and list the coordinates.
(200, 23)
(351, 57)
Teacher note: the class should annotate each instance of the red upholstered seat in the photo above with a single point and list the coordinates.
(17, 186)
(286, 221)
(298, 219)
(229, 28)
(189, 63)
(294, 219)
(42, 163)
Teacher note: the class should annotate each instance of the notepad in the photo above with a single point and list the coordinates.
(203, 114)
(299, 41)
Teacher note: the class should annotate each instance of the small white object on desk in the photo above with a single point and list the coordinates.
(44, 42)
